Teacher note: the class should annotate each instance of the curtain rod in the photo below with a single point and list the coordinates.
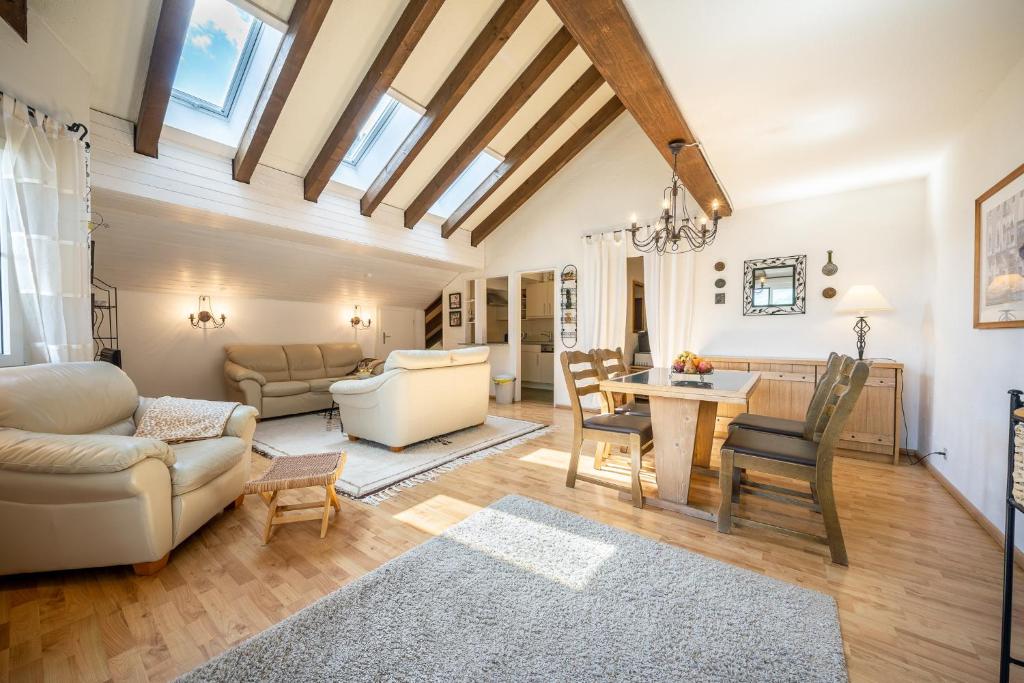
(72, 127)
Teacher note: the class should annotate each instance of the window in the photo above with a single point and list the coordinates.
(468, 180)
(218, 49)
(368, 134)
(391, 120)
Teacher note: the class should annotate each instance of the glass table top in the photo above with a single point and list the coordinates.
(719, 380)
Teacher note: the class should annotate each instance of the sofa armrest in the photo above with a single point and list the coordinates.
(242, 423)
(348, 387)
(236, 373)
(77, 454)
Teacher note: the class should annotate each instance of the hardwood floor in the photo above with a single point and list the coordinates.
(919, 601)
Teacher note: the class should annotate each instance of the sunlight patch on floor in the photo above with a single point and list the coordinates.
(558, 555)
(548, 456)
(437, 513)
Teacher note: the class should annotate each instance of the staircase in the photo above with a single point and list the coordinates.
(433, 323)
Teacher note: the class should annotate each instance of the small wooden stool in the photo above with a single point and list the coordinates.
(296, 472)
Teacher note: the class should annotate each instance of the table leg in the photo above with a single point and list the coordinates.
(684, 431)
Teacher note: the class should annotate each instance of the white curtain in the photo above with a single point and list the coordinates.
(668, 300)
(44, 220)
(603, 296)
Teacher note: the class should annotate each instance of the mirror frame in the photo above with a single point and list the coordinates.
(799, 306)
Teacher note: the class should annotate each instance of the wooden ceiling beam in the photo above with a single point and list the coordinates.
(563, 155)
(605, 31)
(303, 26)
(525, 85)
(495, 34)
(404, 37)
(573, 98)
(168, 42)
(15, 13)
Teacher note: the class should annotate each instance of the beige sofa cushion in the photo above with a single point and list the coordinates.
(417, 360)
(304, 361)
(323, 384)
(290, 388)
(199, 462)
(471, 355)
(65, 398)
(76, 454)
(267, 359)
(340, 359)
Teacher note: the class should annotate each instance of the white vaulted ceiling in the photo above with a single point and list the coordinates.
(789, 99)
(803, 97)
(156, 247)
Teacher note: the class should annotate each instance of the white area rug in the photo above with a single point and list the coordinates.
(521, 591)
(373, 473)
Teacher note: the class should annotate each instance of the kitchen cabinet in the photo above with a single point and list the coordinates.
(540, 299)
(537, 367)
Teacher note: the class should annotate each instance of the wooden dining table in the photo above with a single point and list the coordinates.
(683, 413)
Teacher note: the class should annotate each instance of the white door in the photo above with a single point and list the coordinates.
(398, 330)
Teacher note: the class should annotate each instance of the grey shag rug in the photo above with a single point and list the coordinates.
(521, 591)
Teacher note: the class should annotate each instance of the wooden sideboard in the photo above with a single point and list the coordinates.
(787, 384)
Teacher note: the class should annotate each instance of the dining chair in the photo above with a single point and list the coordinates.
(803, 428)
(607, 429)
(611, 363)
(807, 460)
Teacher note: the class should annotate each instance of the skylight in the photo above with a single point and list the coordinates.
(218, 48)
(369, 133)
(468, 180)
(391, 120)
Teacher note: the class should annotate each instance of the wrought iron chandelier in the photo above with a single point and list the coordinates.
(676, 227)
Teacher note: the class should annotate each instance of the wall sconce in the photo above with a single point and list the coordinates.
(205, 318)
(358, 322)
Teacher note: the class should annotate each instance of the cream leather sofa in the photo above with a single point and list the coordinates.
(289, 379)
(78, 490)
(419, 395)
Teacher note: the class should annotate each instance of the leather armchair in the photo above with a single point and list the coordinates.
(78, 490)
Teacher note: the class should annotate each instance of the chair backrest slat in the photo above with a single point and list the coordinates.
(611, 363)
(579, 382)
(837, 365)
(838, 408)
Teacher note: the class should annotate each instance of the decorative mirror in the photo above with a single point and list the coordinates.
(775, 286)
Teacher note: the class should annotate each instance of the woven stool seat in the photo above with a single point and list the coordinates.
(296, 472)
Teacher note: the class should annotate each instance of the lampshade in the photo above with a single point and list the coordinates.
(1005, 285)
(862, 299)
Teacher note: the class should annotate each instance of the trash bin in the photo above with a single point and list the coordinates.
(504, 388)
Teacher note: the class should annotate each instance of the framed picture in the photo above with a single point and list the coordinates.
(775, 286)
(454, 318)
(455, 301)
(999, 254)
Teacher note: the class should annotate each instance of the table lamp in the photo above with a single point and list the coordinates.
(861, 300)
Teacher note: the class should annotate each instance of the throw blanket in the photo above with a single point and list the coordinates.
(173, 420)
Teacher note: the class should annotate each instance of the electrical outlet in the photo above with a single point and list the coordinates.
(945, 454)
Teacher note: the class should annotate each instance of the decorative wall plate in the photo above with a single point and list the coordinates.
(720, 282)
(720, 266)
(829, 292)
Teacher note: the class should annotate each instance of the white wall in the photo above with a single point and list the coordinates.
(876, 233)
(165, 355)
(964, 406)
(43, 73)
